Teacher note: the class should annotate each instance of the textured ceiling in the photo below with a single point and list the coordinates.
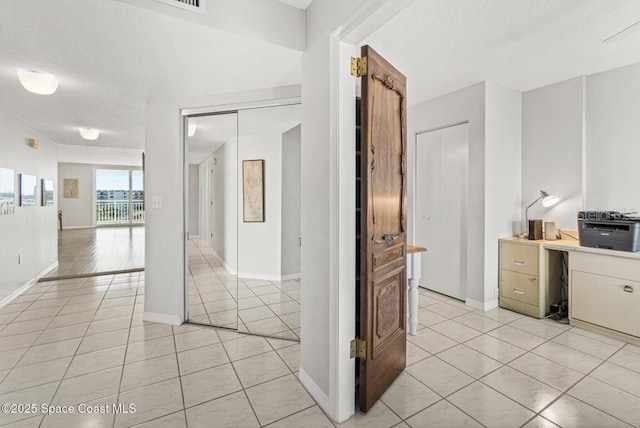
(446, 45)
(215, 130)
(110, 58)
(300, 4)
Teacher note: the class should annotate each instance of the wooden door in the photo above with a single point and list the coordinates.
(383, 286)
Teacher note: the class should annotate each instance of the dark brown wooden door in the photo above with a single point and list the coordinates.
(383, 285)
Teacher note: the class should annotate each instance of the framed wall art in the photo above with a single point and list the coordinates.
(28, 190)
(253, 191)
(7, 191)
(46, 187)
(71, 189)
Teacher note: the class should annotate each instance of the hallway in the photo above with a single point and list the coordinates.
(100, 249)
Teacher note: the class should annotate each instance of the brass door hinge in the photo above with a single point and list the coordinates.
(359, 66)
(359, 349)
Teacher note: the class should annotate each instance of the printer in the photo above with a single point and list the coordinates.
(609, 229)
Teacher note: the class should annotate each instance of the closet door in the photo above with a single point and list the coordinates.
(441, 208)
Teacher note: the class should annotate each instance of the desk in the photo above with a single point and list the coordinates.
(414, 272)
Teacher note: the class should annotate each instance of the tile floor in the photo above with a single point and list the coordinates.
(100, 249)
(84, 341)
(221, 299)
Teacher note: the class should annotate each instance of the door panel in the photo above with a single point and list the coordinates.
(441, 208)
(383, 286)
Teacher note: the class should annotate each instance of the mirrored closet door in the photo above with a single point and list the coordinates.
(269, 215)
(211, 192)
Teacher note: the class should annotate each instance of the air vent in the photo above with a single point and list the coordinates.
(192, 5)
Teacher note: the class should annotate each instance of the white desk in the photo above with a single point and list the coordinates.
(414, 272)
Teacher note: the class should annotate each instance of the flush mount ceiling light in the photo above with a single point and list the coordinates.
(623, 34)
(89, 133)
(38, 82)
(192, 130)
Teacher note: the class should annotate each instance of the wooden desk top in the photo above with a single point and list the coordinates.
(411, 249)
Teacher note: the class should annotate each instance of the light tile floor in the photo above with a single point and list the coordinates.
(218, 298)
(84, 341)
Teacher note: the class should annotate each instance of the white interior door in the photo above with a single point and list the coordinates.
(442, 164)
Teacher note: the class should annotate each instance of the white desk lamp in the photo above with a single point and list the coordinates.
(547, 202)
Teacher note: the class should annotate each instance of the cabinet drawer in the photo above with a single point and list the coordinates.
(519, 286)
(601, 264)
(519, 258)
(606, 301)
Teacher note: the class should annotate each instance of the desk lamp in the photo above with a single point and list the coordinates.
(547, 202)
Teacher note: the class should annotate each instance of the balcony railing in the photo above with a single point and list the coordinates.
(117, 212)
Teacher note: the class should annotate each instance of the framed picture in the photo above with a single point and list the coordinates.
(7, 191)
(28, 190)
(253, 190)
(46, 187)
(71, 189)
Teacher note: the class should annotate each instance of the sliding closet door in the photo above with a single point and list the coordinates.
(441, 208)
(211, 192)
(269, 216)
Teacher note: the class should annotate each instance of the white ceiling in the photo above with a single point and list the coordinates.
(444, 45)
(215, 130)
(110, 58)
(300, 4)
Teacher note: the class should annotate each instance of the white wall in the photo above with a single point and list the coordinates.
(613, 139)
(291, 203)
(552, 145)
(31, 231)
(225, 204)
(465, 105)
(259, 244)
(194, 200)
(164, 240)
(72, 153)
(503, 176)
(77, 212)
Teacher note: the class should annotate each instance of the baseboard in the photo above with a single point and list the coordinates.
(224, 264)
(194, 236)
(316, 392)
(487, 306)
(162, 318)
(291, 276)
(4, 302)
(77, 227)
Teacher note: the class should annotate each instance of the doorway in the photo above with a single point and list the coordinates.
(442, 164)
(243, 198)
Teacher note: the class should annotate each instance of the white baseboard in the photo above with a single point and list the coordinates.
(316, 392)
(77, 227)
(487, 306)
(162, 318)
(28, 284)
(224, 264)
(291, 276)
(194, 236)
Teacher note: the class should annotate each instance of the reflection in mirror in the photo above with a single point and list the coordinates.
(7, 191)
(211, 198)
(269, 159)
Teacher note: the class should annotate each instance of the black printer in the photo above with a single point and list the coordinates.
(609, 229)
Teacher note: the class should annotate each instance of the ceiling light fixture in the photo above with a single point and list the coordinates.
(89, 133)
(623, 34)
(38, 82)
(192, 130)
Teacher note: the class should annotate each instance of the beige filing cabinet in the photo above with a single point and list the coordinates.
(604, 293)
(529, 276)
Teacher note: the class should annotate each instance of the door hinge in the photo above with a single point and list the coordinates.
(359, 348)
(359, 66)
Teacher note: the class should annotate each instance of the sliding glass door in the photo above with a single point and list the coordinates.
(119, 196)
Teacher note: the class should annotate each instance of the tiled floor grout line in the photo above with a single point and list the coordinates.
(175, 350)
(73, 357)
(565, 392)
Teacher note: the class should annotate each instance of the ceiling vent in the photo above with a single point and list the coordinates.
(191, 5)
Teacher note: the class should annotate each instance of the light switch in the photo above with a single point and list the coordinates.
(156, 202)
